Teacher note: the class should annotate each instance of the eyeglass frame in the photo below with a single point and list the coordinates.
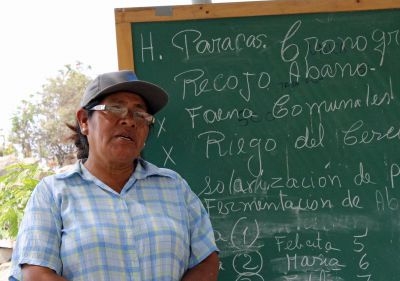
(113, 109)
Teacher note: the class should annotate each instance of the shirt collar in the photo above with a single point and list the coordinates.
(75, 169)
(143, 170)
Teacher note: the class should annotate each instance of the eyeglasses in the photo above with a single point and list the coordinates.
(141, 117)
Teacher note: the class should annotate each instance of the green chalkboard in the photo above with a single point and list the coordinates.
(288, 129)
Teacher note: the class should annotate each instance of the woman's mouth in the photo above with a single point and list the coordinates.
(125, 137)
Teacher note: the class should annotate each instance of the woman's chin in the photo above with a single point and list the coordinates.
(123, 156)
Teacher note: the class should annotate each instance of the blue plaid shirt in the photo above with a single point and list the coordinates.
(155, 229)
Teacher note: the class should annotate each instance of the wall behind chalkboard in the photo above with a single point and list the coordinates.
(287, 127)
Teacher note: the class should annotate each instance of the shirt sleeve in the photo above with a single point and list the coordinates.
(202, 241)
(39, 236)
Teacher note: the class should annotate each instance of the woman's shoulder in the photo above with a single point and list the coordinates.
(67, 177)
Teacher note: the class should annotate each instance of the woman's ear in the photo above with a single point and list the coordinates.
(82, 117)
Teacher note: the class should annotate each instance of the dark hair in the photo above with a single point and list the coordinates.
(79, 139)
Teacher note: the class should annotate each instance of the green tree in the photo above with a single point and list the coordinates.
(24, 127)
(16, 187)
(8, 149)
(60, 100)
(39, 124)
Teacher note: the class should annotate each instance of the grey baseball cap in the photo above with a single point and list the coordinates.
(125, 81)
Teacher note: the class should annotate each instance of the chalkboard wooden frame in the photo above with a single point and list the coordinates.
(124, 17)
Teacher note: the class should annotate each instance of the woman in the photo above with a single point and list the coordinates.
(115, 216)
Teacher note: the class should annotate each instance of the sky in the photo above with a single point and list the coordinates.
(39, 37)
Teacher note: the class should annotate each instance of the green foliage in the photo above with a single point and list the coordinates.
(24, 127)
(16, 187)
(39, 125)
(7, 150)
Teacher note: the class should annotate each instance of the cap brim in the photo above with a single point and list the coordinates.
(154, 96)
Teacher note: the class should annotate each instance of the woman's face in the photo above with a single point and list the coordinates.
(114, 139)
